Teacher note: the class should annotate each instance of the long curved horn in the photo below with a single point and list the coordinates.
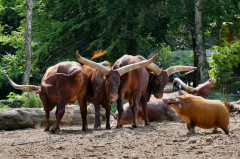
(92, 64)
(22, 87)
(128, 68)
(183, 85)
(174, 69)
(154, 68)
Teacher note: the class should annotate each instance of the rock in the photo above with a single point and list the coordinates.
(209, 139)
(192, 141)
(21, 118)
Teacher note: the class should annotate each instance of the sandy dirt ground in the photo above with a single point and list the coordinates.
(158, 140)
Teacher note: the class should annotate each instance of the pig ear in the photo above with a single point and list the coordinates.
(188, 99)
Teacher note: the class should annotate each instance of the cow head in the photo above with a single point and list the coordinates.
(160, 77)
(112, 81)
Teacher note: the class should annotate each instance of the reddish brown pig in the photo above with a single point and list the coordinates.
(200, 112)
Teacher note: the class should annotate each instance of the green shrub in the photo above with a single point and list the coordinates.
(12, 103)
(168, 58)
(220, 95)
(28, 100)
(222, 63)
(3, 107)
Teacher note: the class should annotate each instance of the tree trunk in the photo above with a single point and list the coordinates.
(28, 38)
(200, 58)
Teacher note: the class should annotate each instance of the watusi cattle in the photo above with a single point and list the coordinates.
(104, 84)
(62, 83)
(96, 92)
(159, 78)
(157, 110)
(137, 86)
(200, 112)
(201, 90)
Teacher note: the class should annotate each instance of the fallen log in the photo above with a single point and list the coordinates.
(22, 118)
(232, 106)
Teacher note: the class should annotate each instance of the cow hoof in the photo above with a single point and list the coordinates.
(46, 129)
(134, 126)
(108, 127)
(84, 129)
(119, 126)
(147, 123)
(51, 132)
(95, 128)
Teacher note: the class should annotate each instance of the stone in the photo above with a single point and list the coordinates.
(21, 118)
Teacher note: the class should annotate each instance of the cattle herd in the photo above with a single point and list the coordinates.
(139, 81)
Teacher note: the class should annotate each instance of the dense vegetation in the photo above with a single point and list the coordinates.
(119, 27)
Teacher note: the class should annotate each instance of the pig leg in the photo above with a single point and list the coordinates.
(191, 127)
(215, 131)
(225, 129)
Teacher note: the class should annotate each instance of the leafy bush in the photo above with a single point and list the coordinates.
(29, 100)
(222, 63)
(168, 58)
(220, 95)
(4, 107)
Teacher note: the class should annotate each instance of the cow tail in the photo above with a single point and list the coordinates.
(114, 116)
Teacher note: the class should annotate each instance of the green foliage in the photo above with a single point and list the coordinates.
(28, 100)
(12, 103)
(169, 58)
(3, 107)
(222, 63)
(220, 95)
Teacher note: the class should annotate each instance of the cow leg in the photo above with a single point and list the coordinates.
(108, 118)
(59, 115)
(97, 115)
(47, 112)
(120, 111)
(56, 114)
(83, 109)
(135, 111)
(47, 125)
(145, 109)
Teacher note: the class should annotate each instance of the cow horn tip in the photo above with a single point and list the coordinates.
(77, 54)
(155, 56)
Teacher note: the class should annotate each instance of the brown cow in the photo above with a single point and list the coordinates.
(96, 92)
(62, 83)
(136, 86)
(201, 90)
(159, 78)
(197, 111)
(157, 110)
(104, 83)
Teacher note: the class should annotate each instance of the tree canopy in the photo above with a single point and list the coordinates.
(60, 27)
